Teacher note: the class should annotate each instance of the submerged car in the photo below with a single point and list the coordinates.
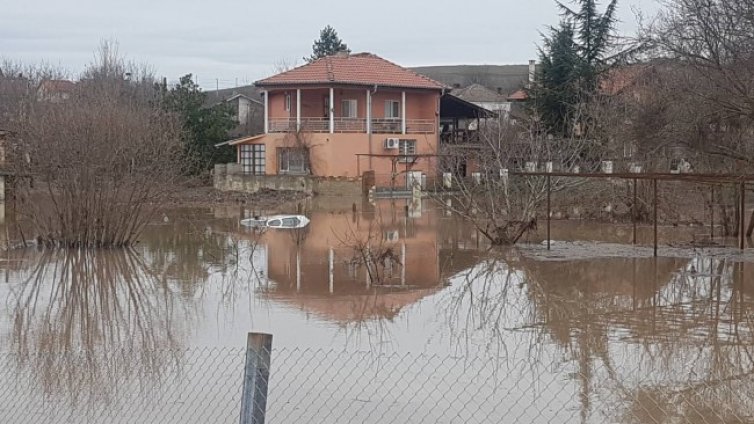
(277, 221)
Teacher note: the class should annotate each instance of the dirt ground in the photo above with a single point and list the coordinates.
(200, 196)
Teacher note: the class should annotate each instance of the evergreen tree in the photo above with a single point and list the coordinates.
(573, 58)
(328, 43)
(203, 127)
(556, 89)
(594, 34)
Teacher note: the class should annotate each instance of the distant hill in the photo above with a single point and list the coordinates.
(505, 79)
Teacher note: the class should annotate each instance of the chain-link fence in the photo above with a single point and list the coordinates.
(333, 386)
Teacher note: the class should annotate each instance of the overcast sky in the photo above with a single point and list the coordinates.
(240, 40)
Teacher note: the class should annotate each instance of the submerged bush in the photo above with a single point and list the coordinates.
(96, 166)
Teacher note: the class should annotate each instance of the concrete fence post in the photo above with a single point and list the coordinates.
(256, 378)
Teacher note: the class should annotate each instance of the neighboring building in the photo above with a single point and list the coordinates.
(55, 91)
(248, 109)
(342, 115)
(502, 79)
(497, 88)
(494, 101)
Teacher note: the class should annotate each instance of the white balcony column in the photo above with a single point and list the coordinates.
(403, 112)
(369, 112)
(266, 95)
(332, 110)
(298, 109)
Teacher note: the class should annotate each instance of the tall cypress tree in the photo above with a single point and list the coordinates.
(556, 89)
(573, 58)
(327, 44)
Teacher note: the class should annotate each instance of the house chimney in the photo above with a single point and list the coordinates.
(532, 71)
(342, 53)
(499, 90)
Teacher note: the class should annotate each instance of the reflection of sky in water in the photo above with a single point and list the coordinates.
(586, 334)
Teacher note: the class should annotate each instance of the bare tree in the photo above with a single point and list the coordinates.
(709, 50)
(99, 165)
(501, 207)
(284, 64)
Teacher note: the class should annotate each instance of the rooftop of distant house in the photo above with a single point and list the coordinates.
(479, 93)
(214, 97)
(57, 86)
(360, 69)
(503, 79)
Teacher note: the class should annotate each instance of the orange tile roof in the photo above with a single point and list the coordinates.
(363, 69)
(619, 79)
(519, 95)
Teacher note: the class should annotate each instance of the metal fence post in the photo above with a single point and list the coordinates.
(633, 214)
(256, 378)
(654, 213)
(549, 211)
(742, 220)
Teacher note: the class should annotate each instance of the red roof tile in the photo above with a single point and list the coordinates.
(619, 79)
(519, 95)
(363, 69)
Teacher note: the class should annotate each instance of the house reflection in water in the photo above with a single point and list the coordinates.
(322, 268)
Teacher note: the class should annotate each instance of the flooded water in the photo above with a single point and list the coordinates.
(439, 328)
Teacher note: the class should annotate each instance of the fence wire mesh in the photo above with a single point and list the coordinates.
(333, 386)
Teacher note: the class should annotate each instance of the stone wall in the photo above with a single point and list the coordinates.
(231, 178)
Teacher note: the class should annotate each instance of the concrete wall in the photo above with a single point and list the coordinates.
(230, 178)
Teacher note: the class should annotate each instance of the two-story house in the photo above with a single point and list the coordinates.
(343, 115)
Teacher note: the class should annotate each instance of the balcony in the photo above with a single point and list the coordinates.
(352, 125)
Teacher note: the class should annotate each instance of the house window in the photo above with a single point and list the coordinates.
(293, 161)
(253, 159)
(349, 108)
(287, 103)
(326, 104)
(392, 109)
(407, 147)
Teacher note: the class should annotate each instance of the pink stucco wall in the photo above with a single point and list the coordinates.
(334, 155)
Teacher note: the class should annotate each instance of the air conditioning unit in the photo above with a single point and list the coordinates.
(392, 143)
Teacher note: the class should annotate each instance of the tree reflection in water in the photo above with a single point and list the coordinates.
(643, 340)
(671, 339)
(84, 319)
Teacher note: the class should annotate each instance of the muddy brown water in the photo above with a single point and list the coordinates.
(447, 330)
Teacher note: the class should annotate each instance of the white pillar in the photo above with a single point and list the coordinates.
(369, 112)
(332, 110)
(266, 95)
(403, 112)
(298, 109)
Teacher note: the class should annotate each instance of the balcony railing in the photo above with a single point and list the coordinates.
(352, 125)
